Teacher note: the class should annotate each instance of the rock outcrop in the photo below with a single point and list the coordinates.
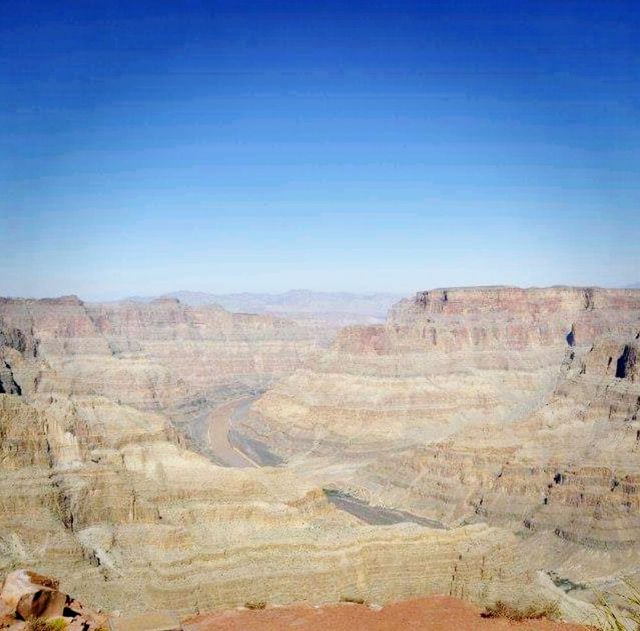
(27, 595)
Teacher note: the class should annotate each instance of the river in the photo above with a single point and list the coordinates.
(229, 448)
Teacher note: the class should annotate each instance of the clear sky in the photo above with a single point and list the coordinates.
(148, 146)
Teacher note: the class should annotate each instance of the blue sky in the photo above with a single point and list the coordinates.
(359, 146)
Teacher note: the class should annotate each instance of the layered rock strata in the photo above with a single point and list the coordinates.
(442, 360)
(130, 518)
(466, 406)
(97, 487)
(154, 356)
(515, 407)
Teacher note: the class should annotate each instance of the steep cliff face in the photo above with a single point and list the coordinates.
(153, 356)
(515, 407)
(97, 487)
(513, 318)
(444, 359)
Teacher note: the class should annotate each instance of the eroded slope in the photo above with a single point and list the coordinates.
(99, 488)
(515, 407)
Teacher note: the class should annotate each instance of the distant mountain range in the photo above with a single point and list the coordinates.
(337, 307)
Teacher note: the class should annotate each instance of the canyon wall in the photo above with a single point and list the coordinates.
(99, 488)
(502, 405)
(509, 415)
(158, 355)
(443, 359)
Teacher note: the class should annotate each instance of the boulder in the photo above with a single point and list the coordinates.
(27, 594)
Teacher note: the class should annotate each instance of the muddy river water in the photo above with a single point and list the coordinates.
(229, 448)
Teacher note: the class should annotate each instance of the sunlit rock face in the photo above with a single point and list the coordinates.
(516, 407)
(97, 486)
(570, 466)
(158, 355)
(443, 359)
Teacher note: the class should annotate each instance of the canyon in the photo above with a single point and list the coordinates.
(482, 443)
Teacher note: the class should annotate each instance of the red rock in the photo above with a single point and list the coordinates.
(28, 594)
(437, 613)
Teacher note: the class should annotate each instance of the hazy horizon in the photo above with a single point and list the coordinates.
(140, 296)
(364, 147)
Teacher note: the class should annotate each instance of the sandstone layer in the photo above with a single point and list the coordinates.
(99, 486)
(135, 521)
(508, 406)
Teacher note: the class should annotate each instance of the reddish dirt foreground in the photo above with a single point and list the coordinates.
(436, 613)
